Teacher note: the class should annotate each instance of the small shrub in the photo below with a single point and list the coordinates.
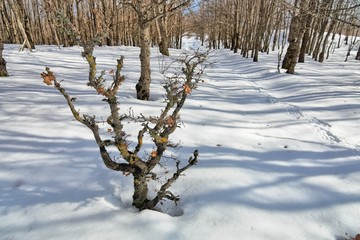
(156, 128)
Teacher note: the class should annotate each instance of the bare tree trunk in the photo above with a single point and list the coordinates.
(358, 55)
(298, 23)
(235, 34)
(19, 9)
(3, 71)
(143, 86)
(140, 196)
(322, 53)
(306, 37)
(146, 15)
(51, 21)
(162, 31)
(6, 31)
(325, 9)
(260, 28)
(17, 22)
(329, 31)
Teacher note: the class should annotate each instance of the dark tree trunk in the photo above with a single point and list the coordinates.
(140, 196)
(259, 33)
(306, 37)
(3, 71)
(358, 55)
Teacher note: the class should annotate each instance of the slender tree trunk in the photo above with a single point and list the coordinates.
(358, 55)
(24, 28)
(329, 31)
(325, 9)
(17, 22)
(322, 53)
(162, 31)
(51, 21)
(235, 33)
(143, 86)
(259, 33)
(306, 37)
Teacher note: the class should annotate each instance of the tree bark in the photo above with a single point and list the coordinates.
(145, 15)
(306, 37)
(295, 35)
(51, 21)
(3, 71)
(140, 196)
(325, 9)
(19, 9)
(358, 55)
(235, 34)
(162, 31)
(259, 33)
(143, 86)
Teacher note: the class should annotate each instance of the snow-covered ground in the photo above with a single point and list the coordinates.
(279, 153)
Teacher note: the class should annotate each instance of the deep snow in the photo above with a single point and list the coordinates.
(279, 153)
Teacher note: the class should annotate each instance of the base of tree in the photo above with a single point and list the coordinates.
(143, 90)
(3, 72)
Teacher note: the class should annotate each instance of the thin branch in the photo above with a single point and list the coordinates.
(88, 122)
(163, 192)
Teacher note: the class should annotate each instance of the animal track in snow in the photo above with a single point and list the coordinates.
(322, 127)
(323, 130)
(320, 122)
(295, 111)
(356, 150)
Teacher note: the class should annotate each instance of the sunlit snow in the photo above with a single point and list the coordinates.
(279, 153)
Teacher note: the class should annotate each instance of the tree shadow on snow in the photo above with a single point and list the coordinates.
(281, 180)
(48, 170)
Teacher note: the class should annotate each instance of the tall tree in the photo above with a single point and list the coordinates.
(297, 29)
(306, 36)
(146, 14)
(23, 22)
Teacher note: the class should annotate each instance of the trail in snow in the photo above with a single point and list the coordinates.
(321, 127)
(237, 70)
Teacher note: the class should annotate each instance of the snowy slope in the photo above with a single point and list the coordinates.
(279, 154)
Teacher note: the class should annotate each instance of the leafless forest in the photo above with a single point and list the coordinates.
(244, 26)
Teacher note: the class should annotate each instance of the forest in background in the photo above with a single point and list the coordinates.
(244, 26)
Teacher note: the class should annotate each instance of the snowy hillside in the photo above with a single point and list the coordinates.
(279, 154)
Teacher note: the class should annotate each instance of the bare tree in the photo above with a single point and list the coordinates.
(23, 22)
(297, 29)
(307, 32)
(147, 12)
(358, 54)
(154, 129)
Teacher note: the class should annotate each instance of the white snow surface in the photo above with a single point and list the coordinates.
(278, 153)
